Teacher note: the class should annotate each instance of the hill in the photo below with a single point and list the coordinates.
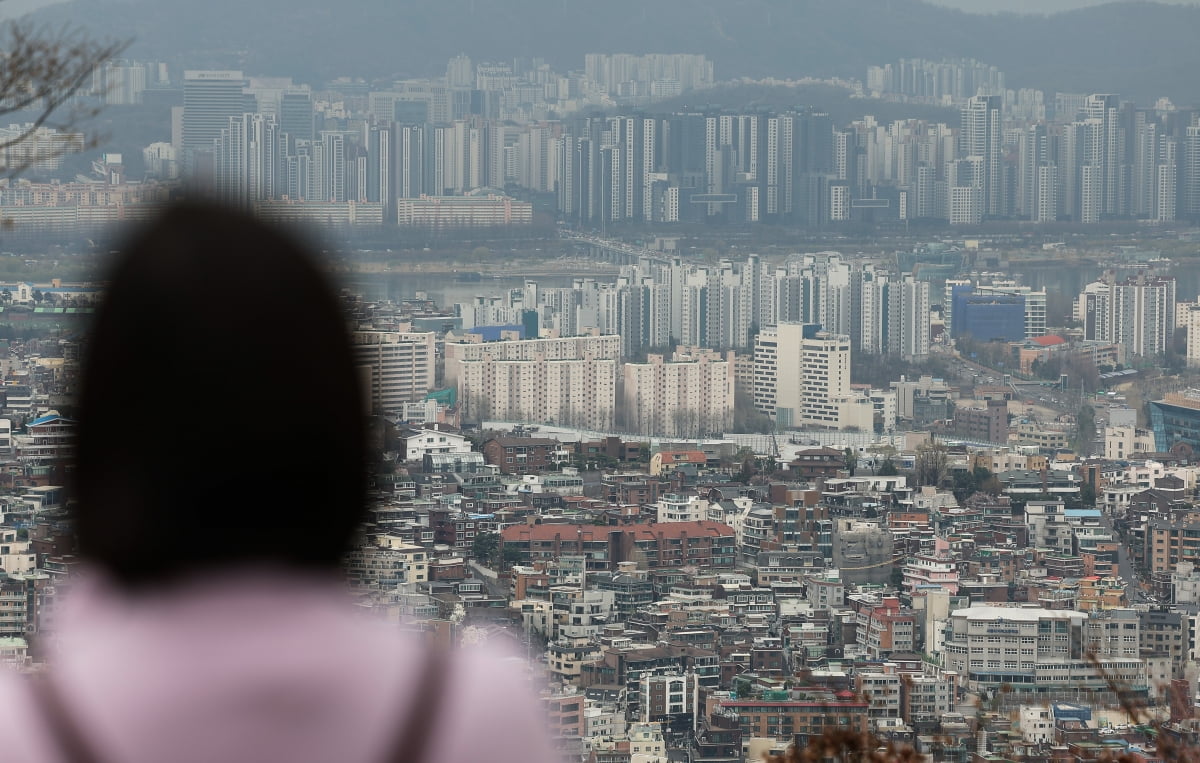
(1141, 50)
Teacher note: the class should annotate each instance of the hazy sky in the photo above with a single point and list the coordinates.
(1033, 6)
(12, 8)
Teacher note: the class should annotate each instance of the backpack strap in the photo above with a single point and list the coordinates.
(72, 743)
(411, 745)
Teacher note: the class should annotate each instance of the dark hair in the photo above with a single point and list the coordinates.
(221, 420)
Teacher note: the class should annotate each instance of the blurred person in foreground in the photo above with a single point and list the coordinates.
(220, 477)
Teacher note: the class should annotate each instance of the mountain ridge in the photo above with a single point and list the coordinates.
(1146, 50)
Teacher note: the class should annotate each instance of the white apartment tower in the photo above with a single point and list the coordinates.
(396, 367)
(980, 138)
(690, 396)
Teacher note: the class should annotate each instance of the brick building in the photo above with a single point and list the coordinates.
(652, 546)
(798, 714)
(522, 455)
(989, 424)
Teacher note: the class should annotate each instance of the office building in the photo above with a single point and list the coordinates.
(210, 98)
(1035, 650)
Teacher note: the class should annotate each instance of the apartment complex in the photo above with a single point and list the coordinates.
(689, 396)
(396, 367)
(607, 346)
(579, 392)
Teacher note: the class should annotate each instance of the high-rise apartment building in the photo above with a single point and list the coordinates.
(980, 138)
(1106, 150)
(906, 331)
(248, 160)
(689, 396)
(577, 392)
(396, 367)
(1138, 313)
(1191, 172)
(607, 346)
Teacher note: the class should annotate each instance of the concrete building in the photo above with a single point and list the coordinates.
(445, 212)
(579, 392)
(473, 348)
(681, 508)
(988, 423)
(883, 627)
(1033, 650)
(802, 379)
(1170, 542)
(415, 443)
(522, 455)
(1048, 526)
(1127, 441)
(862, 552)
(210, 98)
(1188, 317)
(686, 397)
(671, 545)
(396, 367)
(1138, 313)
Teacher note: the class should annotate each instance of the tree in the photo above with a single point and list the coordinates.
(932, 463)
(1085, 430)
(42, 70)
(485, 545)
(851, 456)
(888, 468)
(1087, 495)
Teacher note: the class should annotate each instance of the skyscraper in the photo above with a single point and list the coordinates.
(296, 115)
(980, 137)
(249, 160)
(1191, 173)
(1105, 150)
(210, 98)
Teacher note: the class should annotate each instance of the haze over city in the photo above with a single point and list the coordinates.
(772, 377)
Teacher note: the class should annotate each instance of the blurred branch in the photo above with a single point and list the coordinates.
(42, 70)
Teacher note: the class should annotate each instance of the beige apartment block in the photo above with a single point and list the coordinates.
(540, 390)
(396, 367)
(689, 396)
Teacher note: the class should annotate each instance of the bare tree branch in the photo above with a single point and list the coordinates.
(42, 69)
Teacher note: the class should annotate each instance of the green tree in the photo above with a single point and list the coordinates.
(888, 468)
(1087, 494)
(742, 687)
(851, 456)
(485, 545)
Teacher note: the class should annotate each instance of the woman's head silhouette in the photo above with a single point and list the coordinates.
(221, 419)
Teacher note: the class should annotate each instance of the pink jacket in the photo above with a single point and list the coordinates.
(260, 667)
